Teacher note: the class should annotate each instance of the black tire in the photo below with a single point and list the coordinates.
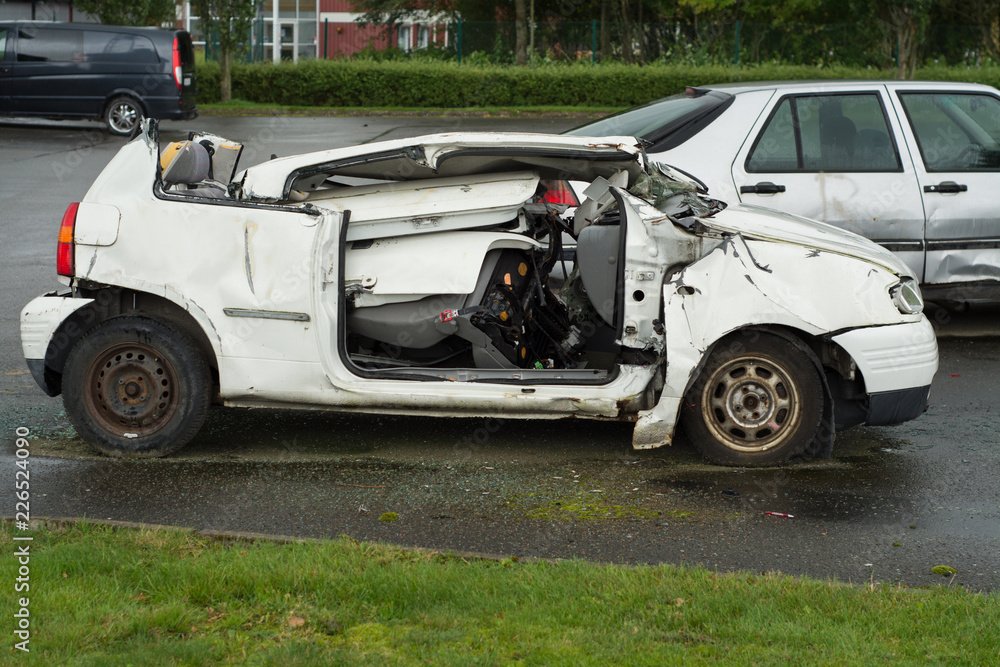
(136, 387)
(122, 115)
(757, 402)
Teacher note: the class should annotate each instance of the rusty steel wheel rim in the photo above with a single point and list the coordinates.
(751, 404)
(131, 390)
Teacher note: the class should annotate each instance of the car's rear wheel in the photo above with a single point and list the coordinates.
(758, 401)
(136, 387)
(122, 115)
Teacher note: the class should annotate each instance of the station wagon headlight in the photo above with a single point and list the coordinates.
(906, 296)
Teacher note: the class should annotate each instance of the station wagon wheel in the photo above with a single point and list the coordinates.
(122, 115)
(136, 387)
(757, 402)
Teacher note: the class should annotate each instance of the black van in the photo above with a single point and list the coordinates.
(83, 70)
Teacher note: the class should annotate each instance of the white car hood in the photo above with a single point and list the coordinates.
(758, 222)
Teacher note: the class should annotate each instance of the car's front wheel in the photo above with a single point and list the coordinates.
(136, 387)
(122, 115)
(758, 401)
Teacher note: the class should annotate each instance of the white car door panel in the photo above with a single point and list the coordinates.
(834, 157)
(956, 147)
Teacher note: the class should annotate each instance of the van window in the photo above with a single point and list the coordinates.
(3, 42)
(117, 47)
(43, 45)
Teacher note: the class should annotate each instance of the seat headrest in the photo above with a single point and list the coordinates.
(184, 162)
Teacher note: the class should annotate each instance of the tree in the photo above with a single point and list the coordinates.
(521, 32)
(226, 25)
(130, 12)
(907, 21)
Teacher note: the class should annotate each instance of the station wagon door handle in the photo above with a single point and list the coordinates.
(763, 188)
(946, 187)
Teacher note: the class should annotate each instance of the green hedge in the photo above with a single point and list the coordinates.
(358, 83)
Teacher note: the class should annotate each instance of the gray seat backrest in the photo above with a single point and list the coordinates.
(597, 251)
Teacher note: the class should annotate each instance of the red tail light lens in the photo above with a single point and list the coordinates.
(178, 70)
(66, 248)
(559, 192)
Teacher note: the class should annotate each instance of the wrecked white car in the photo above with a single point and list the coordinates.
(426, 276)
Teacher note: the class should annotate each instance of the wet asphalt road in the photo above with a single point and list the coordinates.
(891, 504)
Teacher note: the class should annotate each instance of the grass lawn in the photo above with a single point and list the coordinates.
(101, 596)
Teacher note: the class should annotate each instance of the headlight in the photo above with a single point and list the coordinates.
(906, 296)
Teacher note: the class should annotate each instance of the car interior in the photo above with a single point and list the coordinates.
(463, 276)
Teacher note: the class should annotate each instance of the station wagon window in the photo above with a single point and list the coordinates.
(3, 43)
(814, 133)
(955, 131)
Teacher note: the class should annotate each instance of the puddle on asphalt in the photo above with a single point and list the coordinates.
(866, 479)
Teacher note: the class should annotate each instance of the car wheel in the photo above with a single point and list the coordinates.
(758, 401)
(122, 115)
(136, 387)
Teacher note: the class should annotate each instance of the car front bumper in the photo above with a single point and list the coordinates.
(897, 363)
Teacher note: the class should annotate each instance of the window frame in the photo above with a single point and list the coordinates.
(794, 97)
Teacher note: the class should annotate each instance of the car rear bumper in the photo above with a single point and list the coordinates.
(41, 337)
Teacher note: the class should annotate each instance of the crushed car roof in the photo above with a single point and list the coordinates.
(451, 154)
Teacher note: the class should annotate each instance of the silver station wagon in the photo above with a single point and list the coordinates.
(912, 165)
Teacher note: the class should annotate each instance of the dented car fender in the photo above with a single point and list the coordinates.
(741, 284)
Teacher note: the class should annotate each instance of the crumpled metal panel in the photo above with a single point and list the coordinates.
(742, 283)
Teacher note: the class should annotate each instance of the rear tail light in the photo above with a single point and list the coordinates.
(559, 192)
(65, 249)
(178, 70)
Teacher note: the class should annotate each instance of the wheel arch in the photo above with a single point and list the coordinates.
(125, 92)
(112, 302)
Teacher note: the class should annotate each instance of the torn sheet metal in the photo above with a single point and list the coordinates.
(743, 283)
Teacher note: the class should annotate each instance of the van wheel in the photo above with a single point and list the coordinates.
(757, 402)
(122, 115)
(136, 387)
